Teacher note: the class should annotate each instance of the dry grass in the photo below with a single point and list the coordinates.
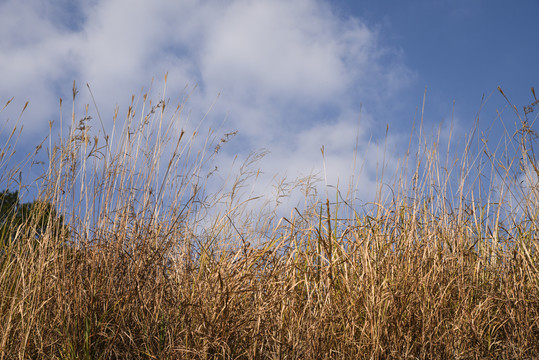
(446, 267)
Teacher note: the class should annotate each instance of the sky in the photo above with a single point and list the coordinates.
(290, 76)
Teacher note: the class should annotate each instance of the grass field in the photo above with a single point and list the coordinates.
(135, 264)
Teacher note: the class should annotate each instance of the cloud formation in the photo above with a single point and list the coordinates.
(291, 75)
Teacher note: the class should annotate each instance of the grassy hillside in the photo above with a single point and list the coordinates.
(150, 264)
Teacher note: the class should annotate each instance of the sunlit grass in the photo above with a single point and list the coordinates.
(147, 262)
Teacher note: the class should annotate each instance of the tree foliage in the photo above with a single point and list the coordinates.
(31, 218)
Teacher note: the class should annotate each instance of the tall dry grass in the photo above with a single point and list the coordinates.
(445, 267)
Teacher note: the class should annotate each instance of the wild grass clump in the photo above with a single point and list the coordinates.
(140, 260)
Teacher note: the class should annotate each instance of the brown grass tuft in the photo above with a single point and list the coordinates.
(133, 265)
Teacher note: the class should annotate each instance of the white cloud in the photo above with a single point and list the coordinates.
(290, 74)
(281, 49)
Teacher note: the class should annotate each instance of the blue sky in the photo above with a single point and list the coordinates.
(460, 49)
(291, 76)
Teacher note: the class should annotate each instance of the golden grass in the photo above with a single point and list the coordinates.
(446, 267)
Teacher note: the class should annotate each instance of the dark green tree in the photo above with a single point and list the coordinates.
(32, 217)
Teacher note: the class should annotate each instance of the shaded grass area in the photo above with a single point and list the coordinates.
(442, 267)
